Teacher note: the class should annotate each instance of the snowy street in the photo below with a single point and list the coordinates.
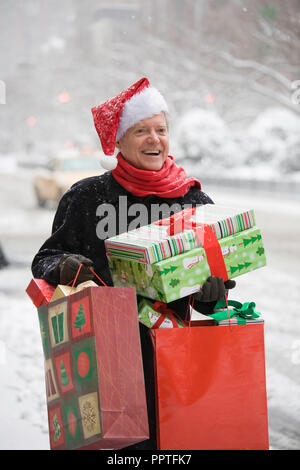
(274, 289)
(228, 72)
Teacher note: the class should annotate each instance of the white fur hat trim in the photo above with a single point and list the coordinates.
(140, 106)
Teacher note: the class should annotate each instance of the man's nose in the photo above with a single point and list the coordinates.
(153, 136)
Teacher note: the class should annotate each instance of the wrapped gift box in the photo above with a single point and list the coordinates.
(237, 321)
(232, 312)
(40, 292)
(63, 291)
(152, 243)
(151, 265)
(149, 315)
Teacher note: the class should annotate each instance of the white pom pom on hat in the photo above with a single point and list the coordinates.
(114, 117)
(108, 162)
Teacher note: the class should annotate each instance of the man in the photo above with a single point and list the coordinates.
(98, 207)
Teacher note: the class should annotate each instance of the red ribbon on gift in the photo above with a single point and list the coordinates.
(162, 308)
(205, 235)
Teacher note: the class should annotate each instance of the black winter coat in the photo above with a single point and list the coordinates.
(75, 229)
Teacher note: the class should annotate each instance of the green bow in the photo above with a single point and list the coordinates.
(241, 312)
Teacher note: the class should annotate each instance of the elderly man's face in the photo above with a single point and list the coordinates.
(146, 145)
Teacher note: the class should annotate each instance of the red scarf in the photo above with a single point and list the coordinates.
(170, 181)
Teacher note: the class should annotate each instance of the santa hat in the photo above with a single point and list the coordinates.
(113, 118)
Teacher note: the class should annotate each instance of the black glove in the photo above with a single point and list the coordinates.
(214, 289)
(68, 266)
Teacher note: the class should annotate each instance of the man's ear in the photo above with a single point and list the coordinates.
(118, 145)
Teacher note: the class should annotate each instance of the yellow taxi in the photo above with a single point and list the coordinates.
(51, 182)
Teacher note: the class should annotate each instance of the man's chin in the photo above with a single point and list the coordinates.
(153, 165)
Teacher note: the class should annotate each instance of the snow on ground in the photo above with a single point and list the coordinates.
(23, 408)
(274, 288)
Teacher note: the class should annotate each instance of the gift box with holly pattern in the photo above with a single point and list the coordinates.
(167, 264)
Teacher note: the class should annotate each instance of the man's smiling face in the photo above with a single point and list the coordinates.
(146, 145)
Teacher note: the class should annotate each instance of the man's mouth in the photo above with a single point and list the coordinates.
(151, 152)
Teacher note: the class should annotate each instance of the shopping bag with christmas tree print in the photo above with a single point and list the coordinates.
(93, 370)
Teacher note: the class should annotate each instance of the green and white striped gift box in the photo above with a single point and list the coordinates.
(151, 243)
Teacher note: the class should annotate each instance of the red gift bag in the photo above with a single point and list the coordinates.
(211, 387)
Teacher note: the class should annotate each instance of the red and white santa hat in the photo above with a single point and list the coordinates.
(113, 118)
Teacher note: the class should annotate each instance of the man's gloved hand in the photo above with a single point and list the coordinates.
(214, 289)
(69, 265)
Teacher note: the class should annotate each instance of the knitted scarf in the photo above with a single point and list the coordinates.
(170, 181)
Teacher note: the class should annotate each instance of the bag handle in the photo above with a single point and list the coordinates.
(188, 310)
(78, 271)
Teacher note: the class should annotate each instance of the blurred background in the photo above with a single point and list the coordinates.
(230, 72)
